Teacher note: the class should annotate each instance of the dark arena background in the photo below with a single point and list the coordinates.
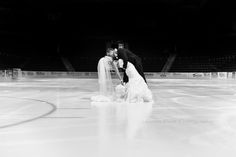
(72, 35)
(49, 52)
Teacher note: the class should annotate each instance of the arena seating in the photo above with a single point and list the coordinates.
(182, 63)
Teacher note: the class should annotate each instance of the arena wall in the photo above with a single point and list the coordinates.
(18, 74)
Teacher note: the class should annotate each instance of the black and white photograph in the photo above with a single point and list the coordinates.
(117, 78)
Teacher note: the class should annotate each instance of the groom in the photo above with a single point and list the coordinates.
(128, 56)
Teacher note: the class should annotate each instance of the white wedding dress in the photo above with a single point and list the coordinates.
(106, 87)
(137, 89)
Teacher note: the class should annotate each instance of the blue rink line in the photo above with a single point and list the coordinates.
(62, 117)
(54, 108)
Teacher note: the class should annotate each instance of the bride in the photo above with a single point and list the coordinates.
(106, 86)
(136, 90)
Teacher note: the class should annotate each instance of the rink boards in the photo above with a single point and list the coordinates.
(18, 74)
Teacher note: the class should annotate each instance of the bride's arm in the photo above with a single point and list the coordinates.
(117, 71)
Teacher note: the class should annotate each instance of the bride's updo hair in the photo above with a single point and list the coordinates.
(109, 51)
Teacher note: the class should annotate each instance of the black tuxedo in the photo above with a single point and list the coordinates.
(128, 56)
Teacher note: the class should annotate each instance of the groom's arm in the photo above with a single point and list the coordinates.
(125, 78)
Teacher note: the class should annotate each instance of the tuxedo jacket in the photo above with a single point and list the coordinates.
(128, 56)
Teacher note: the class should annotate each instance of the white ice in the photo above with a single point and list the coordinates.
(55, 118)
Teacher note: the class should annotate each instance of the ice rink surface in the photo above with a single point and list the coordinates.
(55, 118)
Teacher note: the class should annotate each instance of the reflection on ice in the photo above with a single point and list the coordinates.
(136, 117)
(121, 118)
(117, 121)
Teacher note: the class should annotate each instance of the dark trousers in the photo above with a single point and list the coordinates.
(137, 62)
